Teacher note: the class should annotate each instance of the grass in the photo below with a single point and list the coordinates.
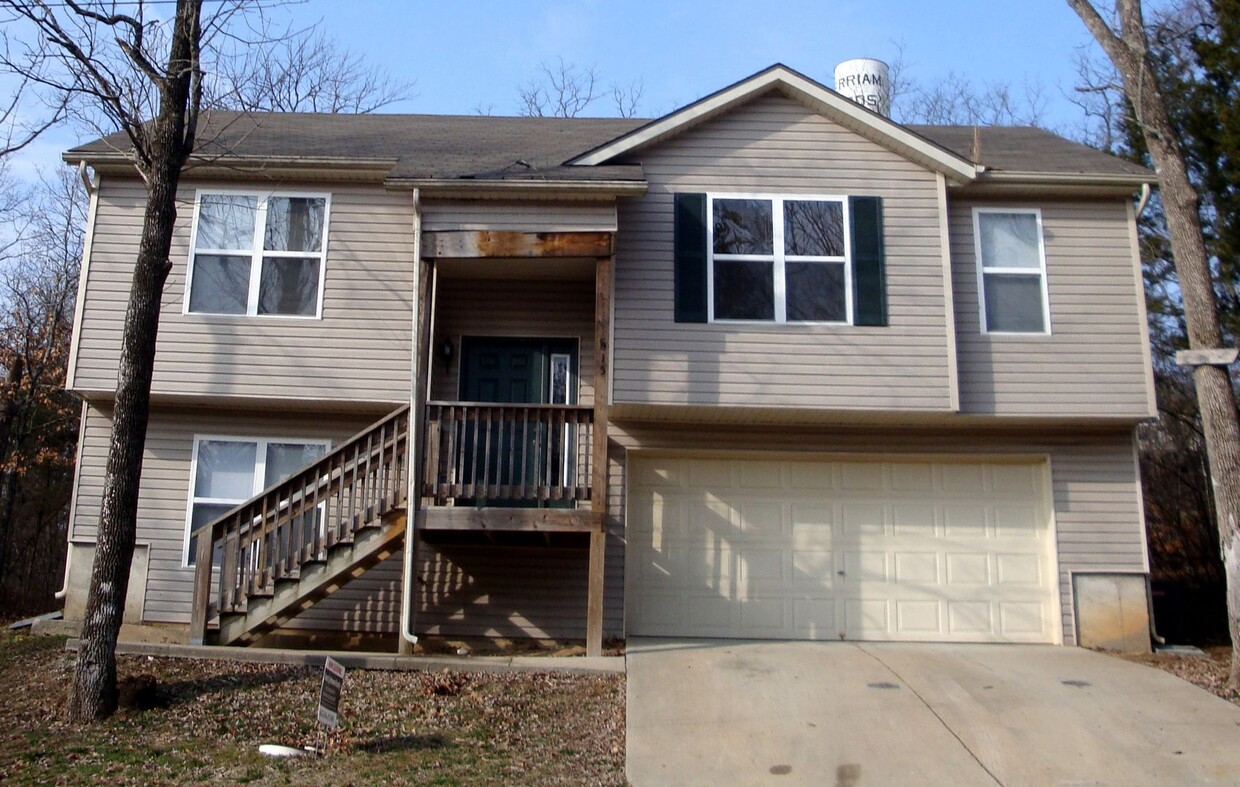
(435, 728)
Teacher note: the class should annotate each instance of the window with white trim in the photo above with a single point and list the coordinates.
(227, 471)
(258, 254)
(1011, 265)
(779, 259)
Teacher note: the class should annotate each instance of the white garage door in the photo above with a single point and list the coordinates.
(867, 550)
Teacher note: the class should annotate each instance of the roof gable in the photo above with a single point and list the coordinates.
(804, 90)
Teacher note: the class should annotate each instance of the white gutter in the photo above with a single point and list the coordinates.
(414, 441)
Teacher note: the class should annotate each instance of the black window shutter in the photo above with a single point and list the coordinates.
(690, 265)
(868, 269)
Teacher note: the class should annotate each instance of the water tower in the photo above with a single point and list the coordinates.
(866, 81)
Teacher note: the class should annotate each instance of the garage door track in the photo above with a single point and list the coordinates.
(852, 714)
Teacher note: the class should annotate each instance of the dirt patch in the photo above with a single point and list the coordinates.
(1209, 671)
(202, 721)
(500, 646)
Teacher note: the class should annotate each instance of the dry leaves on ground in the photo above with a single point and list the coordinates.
(1209, 671)
(396, 727)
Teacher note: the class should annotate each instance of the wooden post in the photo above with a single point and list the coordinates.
(203, 551)
(416, 461)
(598, 492)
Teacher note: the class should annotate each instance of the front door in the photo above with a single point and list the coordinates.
(503, 370)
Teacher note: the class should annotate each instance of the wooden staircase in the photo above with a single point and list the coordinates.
(279, 553)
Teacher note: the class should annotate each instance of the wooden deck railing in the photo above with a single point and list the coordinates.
(507, 454)
(297, 521)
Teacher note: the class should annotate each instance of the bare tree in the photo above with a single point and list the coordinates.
(38, 417)
(303, 72)
(566, 90)
(627, 98)
(561, 90)
(956, 100)
(125, 68)
(1126, 44)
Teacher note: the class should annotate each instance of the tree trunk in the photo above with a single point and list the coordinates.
(93, 695)
(167, 146)
(1128, 50)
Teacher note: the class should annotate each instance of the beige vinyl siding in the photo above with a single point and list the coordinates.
(525, 216)
(509, 307)
(1093, 362)
(164, 495)
(1094, 481)
(358, 351)
(776, 146)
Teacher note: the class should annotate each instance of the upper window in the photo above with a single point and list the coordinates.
(779, 259)
(228, 471)
(1011, 265)
(258, 254)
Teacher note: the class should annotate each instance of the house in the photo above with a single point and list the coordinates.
(771, 365)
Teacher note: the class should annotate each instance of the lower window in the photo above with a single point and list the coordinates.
(227, 471)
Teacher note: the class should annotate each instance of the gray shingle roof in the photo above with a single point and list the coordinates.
(419, 146)
(518, 148)
(1028, 149)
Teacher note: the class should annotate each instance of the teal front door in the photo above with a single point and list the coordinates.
(505, 370)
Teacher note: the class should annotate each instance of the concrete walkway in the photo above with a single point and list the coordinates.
(848, 714)
(375, 661)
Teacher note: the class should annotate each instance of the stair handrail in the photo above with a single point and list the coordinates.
(321, 474)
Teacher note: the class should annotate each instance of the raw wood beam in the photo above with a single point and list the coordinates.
(468, 244)
(551, 520)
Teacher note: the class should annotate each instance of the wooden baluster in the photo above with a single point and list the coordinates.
(228, 570)
(380, 476)
(261, 573)
(548, 461)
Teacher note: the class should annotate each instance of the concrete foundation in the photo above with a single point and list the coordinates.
(82, 558)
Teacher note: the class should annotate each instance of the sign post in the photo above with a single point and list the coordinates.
(329, 694)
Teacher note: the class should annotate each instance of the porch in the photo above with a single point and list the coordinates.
(532, 470)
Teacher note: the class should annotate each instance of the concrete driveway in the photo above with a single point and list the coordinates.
(852, 714)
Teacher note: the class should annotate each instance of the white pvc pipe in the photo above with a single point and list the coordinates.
(407, 578)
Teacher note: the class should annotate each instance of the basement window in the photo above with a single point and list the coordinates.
(227, 471)
(258, 254)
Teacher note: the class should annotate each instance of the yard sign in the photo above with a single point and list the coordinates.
(329, 694)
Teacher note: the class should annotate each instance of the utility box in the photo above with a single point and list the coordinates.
(1112, 611)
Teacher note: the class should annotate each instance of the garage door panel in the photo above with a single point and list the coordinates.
(968, 570)
(918, 618)
(863, 520)
(970, 619)
(767, 615)
(913, 520)
(963, 477)
(1019, 569)
(965, 521)
(916, 568)
(866, 619)
(815, 618)
(1017, 521)
(926, 551)
(813, 569)
(1021, 619)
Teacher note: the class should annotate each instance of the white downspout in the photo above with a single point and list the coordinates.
(408, 579)
(1145, 199)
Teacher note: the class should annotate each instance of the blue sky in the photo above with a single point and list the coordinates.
(465, 54)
